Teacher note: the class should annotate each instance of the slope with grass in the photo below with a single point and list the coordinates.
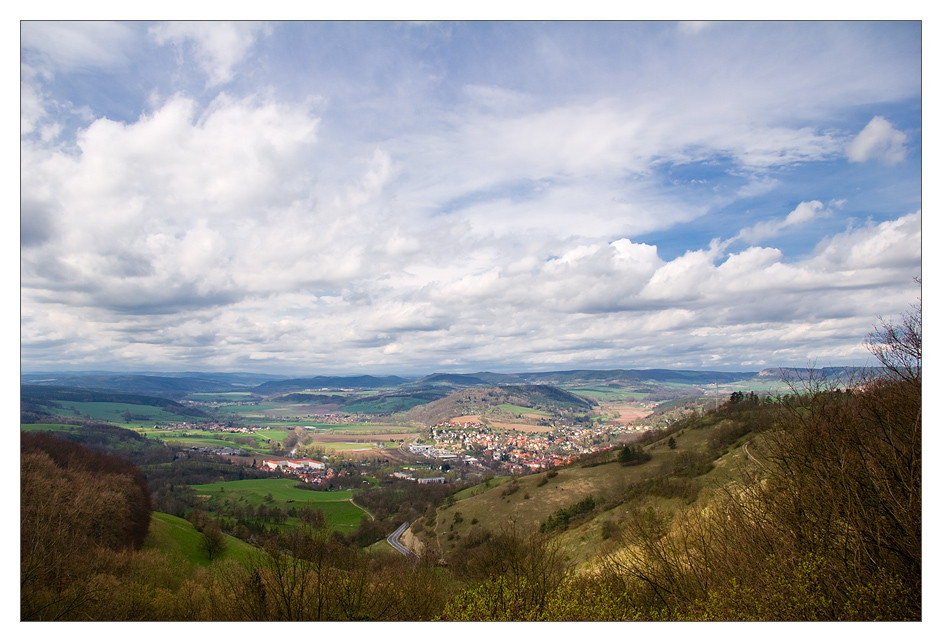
(705, 458)
(178, 538)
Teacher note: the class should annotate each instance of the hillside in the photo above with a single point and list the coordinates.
(779, 497)
(707, 456)
(365, 382)
(177, 538)
(483, 401)
(49, 399)
(570, 377)
(137, 384)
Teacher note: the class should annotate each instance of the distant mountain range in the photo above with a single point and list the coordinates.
(364, 382)
(178, 385)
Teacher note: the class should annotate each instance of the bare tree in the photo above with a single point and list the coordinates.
(899, 346)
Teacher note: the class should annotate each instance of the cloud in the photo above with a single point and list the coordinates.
(455, 207)
(177, 202)
(64, 46)
(609, 305)
(883, 246)
(805, 212)
(692, 27)
(220, 46)
(878, 141)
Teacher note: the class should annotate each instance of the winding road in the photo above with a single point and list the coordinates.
(396, 544)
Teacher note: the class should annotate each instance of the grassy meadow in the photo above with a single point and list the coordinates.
(177, 537)
(114, 413)
(339, 510)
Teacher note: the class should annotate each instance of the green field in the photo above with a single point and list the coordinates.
(204, 438)
(340, 512)
(47, 427)
(189, 442)
(113, 413)
(178, 538)
(265, 435)
(366, 429)
(609, 393)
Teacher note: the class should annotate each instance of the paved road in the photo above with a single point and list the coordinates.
(394, 540)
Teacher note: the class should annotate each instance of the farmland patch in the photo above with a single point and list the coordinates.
(340, 512)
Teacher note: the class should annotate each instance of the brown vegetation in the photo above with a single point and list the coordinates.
(76, 508)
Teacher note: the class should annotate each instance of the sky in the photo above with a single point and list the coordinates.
(310, 198)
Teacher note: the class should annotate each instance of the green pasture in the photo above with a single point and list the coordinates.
(113, 412)
(47, 427)
(759, 386)
(607, 393)
(202, 442)
(366, 429)
(204, 438)
(389, 404)
(339, 511)
(265, 435)
(178, 538)
(261, 406)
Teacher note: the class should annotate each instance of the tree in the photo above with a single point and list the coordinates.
(672, 443)
(899, 346)
(633, 455)
(213, 542)
(79, 510)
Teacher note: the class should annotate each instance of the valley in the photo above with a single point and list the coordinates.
(585, 475)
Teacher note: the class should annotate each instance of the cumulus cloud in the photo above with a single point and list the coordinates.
(805, 212)
(509, 229)
(879, 140)
(884, 246)
(179, 201)
(610, 305)
(220, 46)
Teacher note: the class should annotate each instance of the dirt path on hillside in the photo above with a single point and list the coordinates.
(372, 517)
